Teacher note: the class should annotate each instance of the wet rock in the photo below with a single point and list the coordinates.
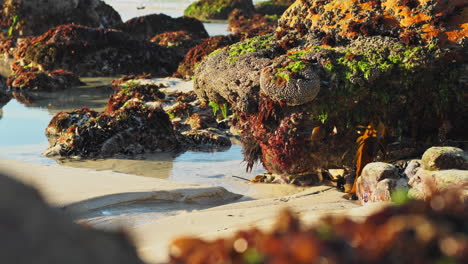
(444, 158)
(273, 7)
(377, 183)
(148, 26)
(89, 51)
(201, 121)
(425, 184)
(217, 9)
(360, 63)
(25, 18)
(292, 81)
(198, 53)
(30, 78)
(32, 232)
(132, 123)
(251, 25)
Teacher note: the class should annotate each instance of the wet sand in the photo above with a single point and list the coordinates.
(156, 211)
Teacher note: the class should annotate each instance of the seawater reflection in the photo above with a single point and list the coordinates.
(22, 137)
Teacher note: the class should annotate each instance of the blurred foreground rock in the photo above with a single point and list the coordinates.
(32, 232)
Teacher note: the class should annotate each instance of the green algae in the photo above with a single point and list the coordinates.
(248, 46)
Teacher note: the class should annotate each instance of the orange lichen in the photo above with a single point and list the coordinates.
(444, 19)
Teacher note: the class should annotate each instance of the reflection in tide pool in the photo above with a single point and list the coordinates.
(22, 137)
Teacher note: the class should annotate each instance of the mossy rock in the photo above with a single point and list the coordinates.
(273, 7)
(217, 9)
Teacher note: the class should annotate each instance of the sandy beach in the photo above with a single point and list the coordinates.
(203, 211)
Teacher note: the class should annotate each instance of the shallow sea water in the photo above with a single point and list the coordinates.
(23, 122)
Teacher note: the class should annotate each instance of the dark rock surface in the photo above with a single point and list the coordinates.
(251, 25)
(89, 51)
(35, 17)
(145, 27)
(273, 7)
(32, 232)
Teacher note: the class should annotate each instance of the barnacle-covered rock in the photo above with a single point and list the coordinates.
(146, 27)
(33, 17)
(290, 79)
(94, 52)
(412, 22)
(132, 123)
(231, 74)
(217, 9)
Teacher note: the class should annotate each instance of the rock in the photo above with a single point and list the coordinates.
(425, 184)
(412, 168)
(377, 183)
(148, 26)
(89, 51)
(198, 53)
(251, 25)
(292, 81)
(217, 9)
(198, 121)
(35, 17)
(345, 21)
(207, 140)
(132, 123)
(273, 7)
(240, 65)
(444, 158)
(32, 232)
(350, 60)
(32, 79)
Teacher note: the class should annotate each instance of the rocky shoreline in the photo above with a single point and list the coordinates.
(365, 97)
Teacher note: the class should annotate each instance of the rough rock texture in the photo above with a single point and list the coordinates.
(132, 123)
(196, 54)
(217, 9)
(35, 17)
(425, 184)
(251, 25)
(378, 181)
(375, 76)
(412, 168)
(444, 158)
(95, 52)
(240, 65)
(32, 232)
(32, 79)
(273, 7)
(412, 22)
(145, 27)
(416, 232)
(290, 81)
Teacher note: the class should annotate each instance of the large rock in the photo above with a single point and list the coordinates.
(32, 232)
(217, 9)
(444, 158)
(251, 25)
(145, 27)
(378, 182)
(371, 69)
(425, 184)
(198, 53)
(95, 52)
(132, 123)
(35, 17)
